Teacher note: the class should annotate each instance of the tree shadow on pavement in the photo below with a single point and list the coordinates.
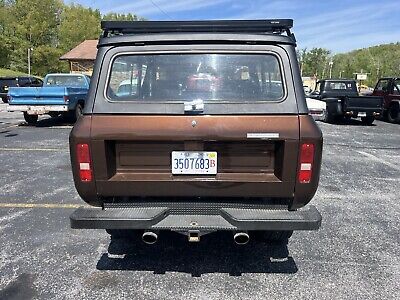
(216, 253)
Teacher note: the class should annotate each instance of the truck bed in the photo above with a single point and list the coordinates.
(48, 95)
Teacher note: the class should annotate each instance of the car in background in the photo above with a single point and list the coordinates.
(317, 109)
(389, 89)
(343, 102)
(17, 81)
(307, 90)
(365, 90)
(61, 94)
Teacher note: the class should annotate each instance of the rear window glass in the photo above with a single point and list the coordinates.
(8, 82)
(187, 77)
(65, 80)
(339, 86)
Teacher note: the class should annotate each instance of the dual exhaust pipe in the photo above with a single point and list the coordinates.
(151, 237)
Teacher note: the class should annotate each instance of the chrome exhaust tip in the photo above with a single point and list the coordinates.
(149, 237)
(241, 238)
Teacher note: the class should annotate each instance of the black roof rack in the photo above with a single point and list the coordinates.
(111, 28)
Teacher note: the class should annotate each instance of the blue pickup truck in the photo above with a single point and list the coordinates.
(61, 94)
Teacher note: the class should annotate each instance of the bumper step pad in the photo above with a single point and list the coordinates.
(160, 218)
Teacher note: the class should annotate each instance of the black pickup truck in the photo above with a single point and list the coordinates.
(342, 101)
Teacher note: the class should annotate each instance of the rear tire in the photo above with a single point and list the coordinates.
(273, 236)
(393, 114)
(78, 112)
(367, 120)
(54, 114)
(30, 119)
(328, 118)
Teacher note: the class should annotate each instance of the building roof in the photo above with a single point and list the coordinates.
(86, 50)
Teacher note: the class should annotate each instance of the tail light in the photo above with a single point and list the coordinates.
(85, 166)
(66, 99)
(306, 162)
(9, 98)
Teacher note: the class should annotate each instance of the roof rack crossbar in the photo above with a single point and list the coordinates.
(278, 26)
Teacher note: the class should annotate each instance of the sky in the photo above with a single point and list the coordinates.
(339, 25)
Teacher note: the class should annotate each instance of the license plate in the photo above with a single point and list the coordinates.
(362, 114)
(194, 162)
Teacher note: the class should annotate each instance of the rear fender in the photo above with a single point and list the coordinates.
(310, 133)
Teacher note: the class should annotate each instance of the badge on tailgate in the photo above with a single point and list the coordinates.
(194, 162)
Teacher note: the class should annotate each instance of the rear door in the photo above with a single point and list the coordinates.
(394, 93)
(162, 112)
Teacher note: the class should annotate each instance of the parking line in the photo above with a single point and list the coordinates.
(379, 160)
(34, 149)
(39, 205)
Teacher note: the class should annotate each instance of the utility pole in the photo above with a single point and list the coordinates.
(29, 60)
(330, 68)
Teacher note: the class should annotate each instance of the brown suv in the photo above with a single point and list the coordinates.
(195, 127)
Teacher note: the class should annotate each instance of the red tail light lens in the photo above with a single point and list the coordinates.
(85, 166)
(306, 162)
(66, 99)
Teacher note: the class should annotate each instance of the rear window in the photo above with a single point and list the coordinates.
(187, 77)
(65, 80)
(8, 82)
(340, 86)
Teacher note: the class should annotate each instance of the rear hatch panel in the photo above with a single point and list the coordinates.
(132, 157)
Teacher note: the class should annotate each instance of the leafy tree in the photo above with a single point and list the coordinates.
(78, 23)
(50, 28)
(46, 60)
(121, 17)
(377, 61)
(315, 62)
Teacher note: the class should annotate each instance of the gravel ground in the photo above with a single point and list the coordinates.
(353, 256)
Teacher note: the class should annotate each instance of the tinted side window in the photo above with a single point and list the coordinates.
(24, 82)
(37, 82)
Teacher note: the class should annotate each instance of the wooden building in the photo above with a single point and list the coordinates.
(81, 58)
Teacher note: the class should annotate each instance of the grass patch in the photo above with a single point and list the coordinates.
(7, 72)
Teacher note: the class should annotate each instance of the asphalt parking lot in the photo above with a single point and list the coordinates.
(355, 254)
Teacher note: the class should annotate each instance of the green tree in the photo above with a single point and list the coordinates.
(315, 62)
(121, 17)
(5, 37)
(33, 24)
(377, 61)
(78, 23)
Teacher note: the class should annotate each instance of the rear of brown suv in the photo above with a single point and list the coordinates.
(196, 127)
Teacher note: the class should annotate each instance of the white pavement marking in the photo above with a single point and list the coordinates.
(380, 160)
(34, 149)
(38, 205)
